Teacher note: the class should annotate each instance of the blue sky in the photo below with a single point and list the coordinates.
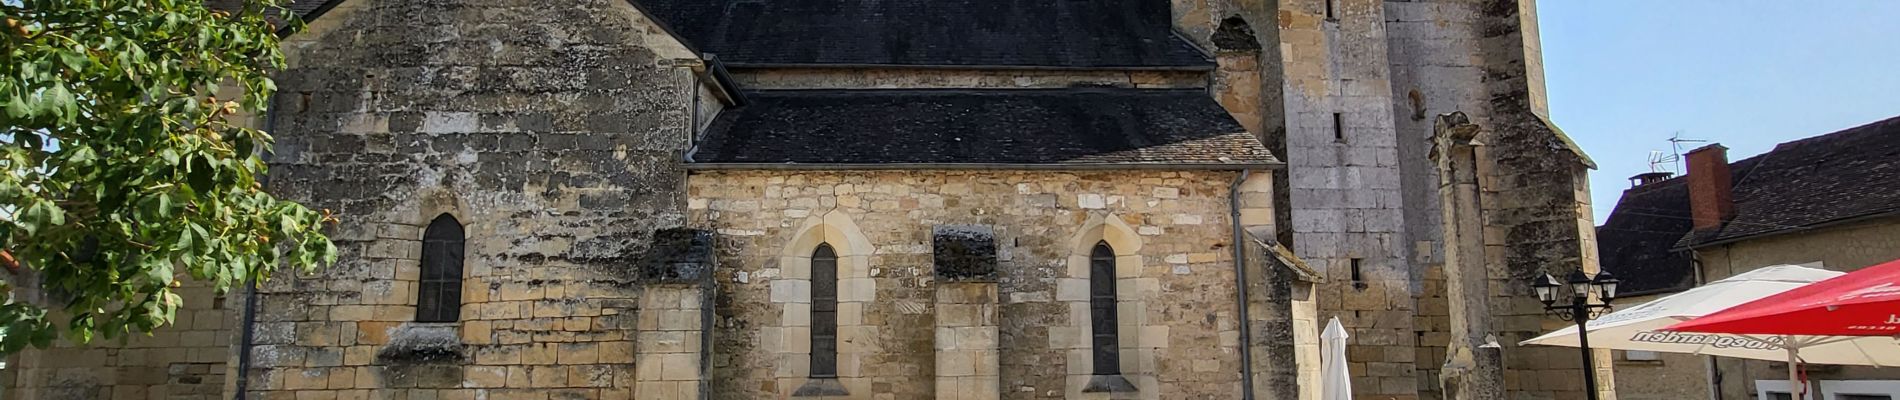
(1625, 75)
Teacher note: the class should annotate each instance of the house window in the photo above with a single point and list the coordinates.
(1102, 310)
(439, 294)
(824, 312)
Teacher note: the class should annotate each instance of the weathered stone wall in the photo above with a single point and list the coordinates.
(1247, 75)
(968, 360)
(1170, 229)
(1841, 248)
(553, 134)
(1344, 184)
(1481, 57)
(183, 361)
(1286, 316)
(667, 361)
(1431, 47)
(1538, 206)
(1243, 36)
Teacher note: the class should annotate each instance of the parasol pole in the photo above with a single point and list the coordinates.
(1796, 387)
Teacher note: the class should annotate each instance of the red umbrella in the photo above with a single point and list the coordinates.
(1861, 303)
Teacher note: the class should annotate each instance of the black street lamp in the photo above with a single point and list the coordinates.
(1580, 310)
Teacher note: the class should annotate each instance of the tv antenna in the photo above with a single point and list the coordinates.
(1657, 159)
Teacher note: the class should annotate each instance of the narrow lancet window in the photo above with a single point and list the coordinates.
(1102, 318)
(439, 293)
(824, 312)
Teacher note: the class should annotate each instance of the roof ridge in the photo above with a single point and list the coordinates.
(1869, 127)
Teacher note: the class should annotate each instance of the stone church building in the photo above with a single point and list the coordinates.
(856, 199)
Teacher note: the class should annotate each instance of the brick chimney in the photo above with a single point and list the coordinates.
(1711, 194)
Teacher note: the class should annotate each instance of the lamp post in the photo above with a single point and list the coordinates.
(1580, 310)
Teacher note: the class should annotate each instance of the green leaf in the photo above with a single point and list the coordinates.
(75, 60)
(17, 107)
(113, 182)
(81, 154)
(184, 240)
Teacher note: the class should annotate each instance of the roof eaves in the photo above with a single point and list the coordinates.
(1719, 239)
(1207, 56)
(1301, 270)
(287, 30)
(1210, 66)
(1566, 142)
(1257, 165)
(728, 89)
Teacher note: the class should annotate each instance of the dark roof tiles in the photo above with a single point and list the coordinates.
(1093, 34)
(1838, 176)
(1637, 241)
(971, 33)
(306, 8)
(1003, 126)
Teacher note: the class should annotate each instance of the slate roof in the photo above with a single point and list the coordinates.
(310, 9)
(971, 33)
(1819, 180)
(1062, 127)
(1637, 242)
(1094, 34)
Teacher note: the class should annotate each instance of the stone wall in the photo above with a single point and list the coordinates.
(1434, 69)
(1170, 231)
(1538, 205)
(1285, 315)
(1344, 183)
(552, 134)
(667, 360)
(1244, 36)
(1482, 58)
(183, 361)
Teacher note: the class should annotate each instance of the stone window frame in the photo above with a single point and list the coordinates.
(446, 275)
(791, 296)
(418, 341)
(1138, 339)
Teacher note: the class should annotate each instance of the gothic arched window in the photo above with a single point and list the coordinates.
(824, 312)
(439, 293)
(1102, 323)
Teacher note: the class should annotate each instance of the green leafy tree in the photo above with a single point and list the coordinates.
(122, 171)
